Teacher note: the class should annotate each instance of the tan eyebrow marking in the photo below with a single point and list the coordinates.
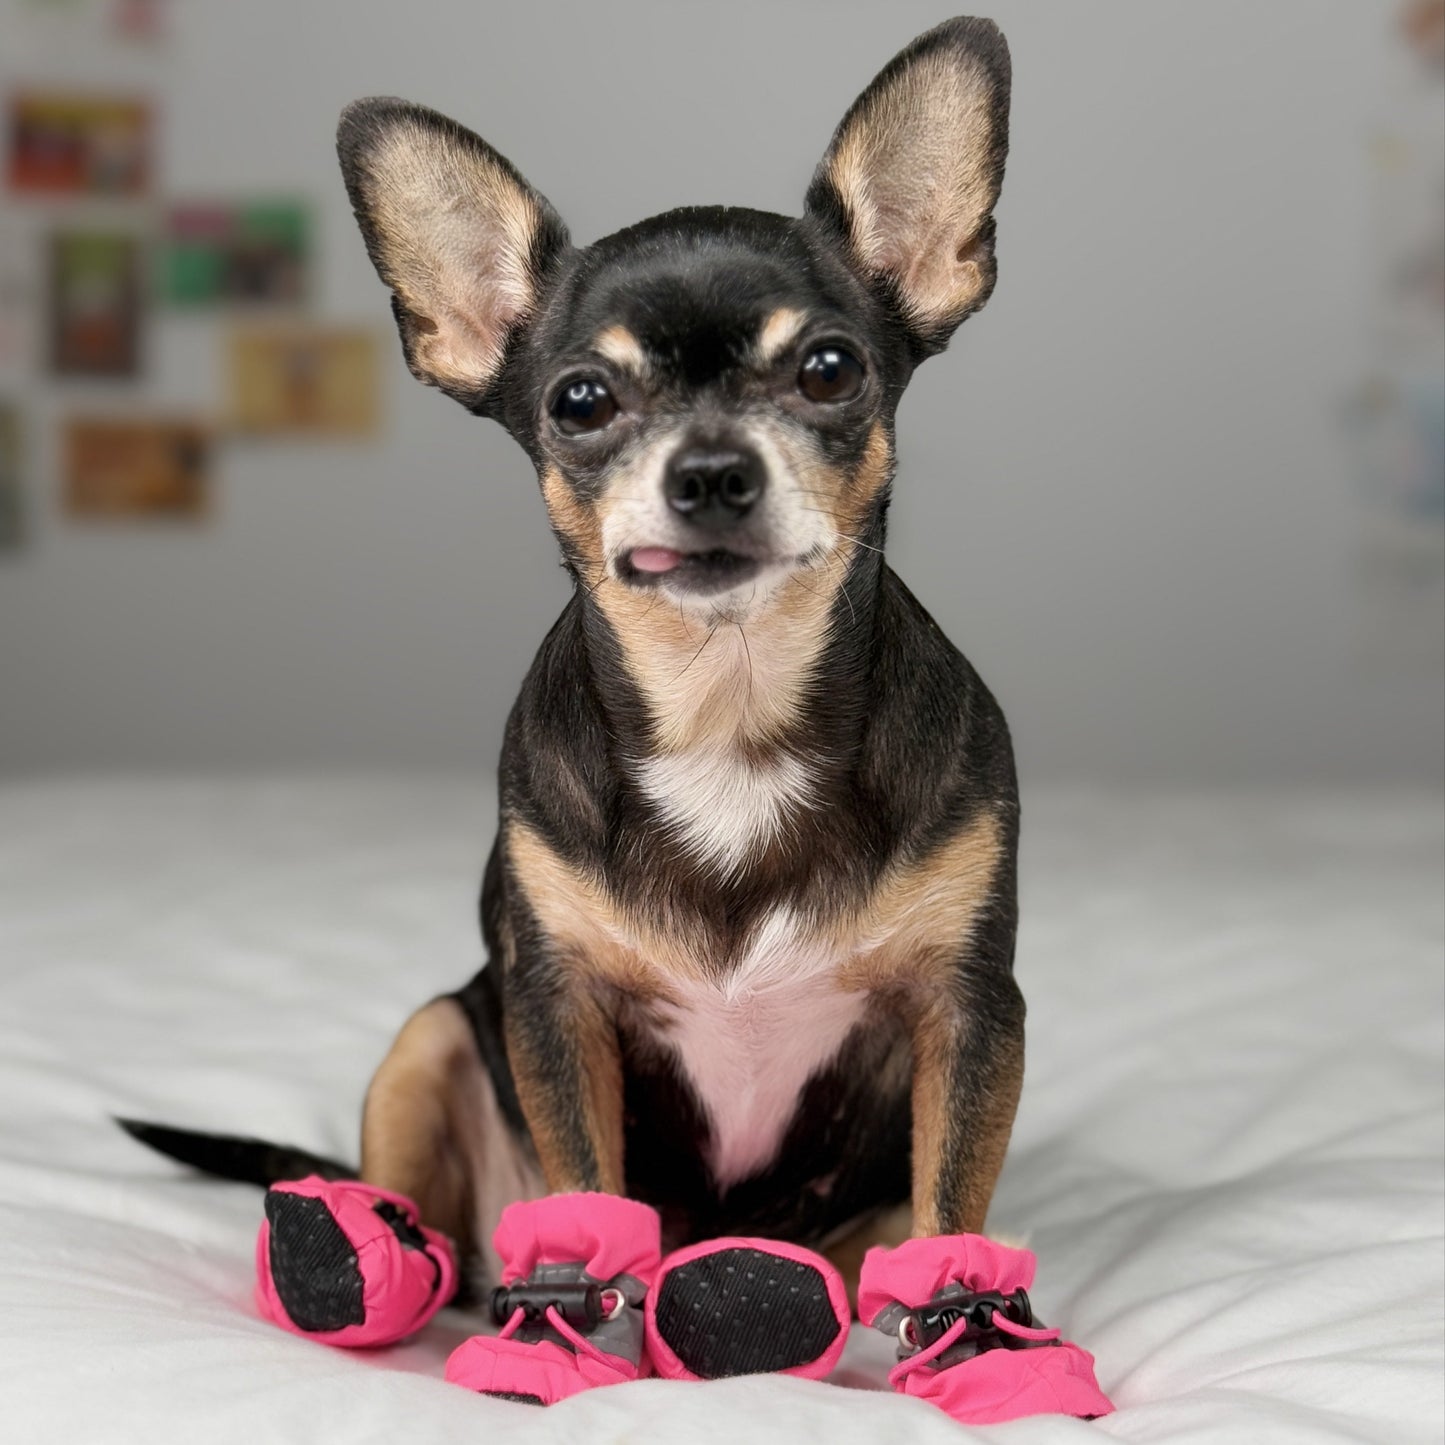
(621, 348)
(779, 332)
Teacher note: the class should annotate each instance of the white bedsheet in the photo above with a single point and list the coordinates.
(1228, 1155)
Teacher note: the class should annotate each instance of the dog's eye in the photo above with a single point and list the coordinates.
(831, 374)
(583, 406)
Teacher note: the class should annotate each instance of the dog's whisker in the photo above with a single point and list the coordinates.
(687, 631)
(859, 542)
(748, 653)
(698, 653)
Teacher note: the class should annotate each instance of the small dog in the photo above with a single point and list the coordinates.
(750, 914)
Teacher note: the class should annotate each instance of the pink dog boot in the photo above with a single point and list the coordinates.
(575, 1271)
(746, 1307)
(967, 1338)
(349, 1264)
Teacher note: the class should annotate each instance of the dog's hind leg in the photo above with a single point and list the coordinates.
(368, 1261)
(443, 1129)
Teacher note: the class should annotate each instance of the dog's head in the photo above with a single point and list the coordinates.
(708, 396)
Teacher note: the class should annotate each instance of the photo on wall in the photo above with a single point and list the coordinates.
(62, 144)
(94, 304)
(319, 381)
(12, 510)
(235, 254)
(18, 292)
(70, 22)
(152, 468)
(147, 21)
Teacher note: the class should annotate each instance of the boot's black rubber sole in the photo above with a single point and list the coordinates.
(313, 1265)
(745, 1312)
(515, 1396)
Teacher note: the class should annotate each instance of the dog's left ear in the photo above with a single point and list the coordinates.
(911, 178)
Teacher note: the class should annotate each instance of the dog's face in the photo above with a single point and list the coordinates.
(708, 396)
(701, 394)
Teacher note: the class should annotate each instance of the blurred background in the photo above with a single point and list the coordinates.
(1179, 492)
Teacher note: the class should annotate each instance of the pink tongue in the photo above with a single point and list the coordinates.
(655, 559)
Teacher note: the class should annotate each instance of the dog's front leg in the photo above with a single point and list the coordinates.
(968, 1064)
(563, 1047)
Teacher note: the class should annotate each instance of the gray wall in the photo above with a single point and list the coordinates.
(1123, 492)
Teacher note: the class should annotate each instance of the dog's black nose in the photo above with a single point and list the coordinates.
(714, 486)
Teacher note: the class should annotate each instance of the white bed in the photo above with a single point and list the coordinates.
(1229, 1155)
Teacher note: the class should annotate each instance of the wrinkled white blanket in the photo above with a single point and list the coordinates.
(1229, 1155)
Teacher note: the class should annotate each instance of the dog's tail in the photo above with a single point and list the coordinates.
(232, 1156)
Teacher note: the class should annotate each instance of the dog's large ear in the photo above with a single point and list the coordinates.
(463, 241)
(910, 180)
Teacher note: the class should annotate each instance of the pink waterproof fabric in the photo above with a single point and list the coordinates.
(913, 1272)
(1009, 1384)
(401, 1289)
(667, 1364)
(607, 1235)
(550, 1372)
(998, 1385)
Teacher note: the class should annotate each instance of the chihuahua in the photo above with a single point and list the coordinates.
(750, 912)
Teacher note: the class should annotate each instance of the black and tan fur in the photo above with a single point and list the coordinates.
(776, 750)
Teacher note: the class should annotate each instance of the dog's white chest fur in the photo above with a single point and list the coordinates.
(723, 806)
(749, 1041)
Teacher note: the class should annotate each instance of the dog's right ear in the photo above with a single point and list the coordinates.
(465, 244)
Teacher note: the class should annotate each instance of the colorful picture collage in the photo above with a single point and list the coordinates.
(94, 260)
